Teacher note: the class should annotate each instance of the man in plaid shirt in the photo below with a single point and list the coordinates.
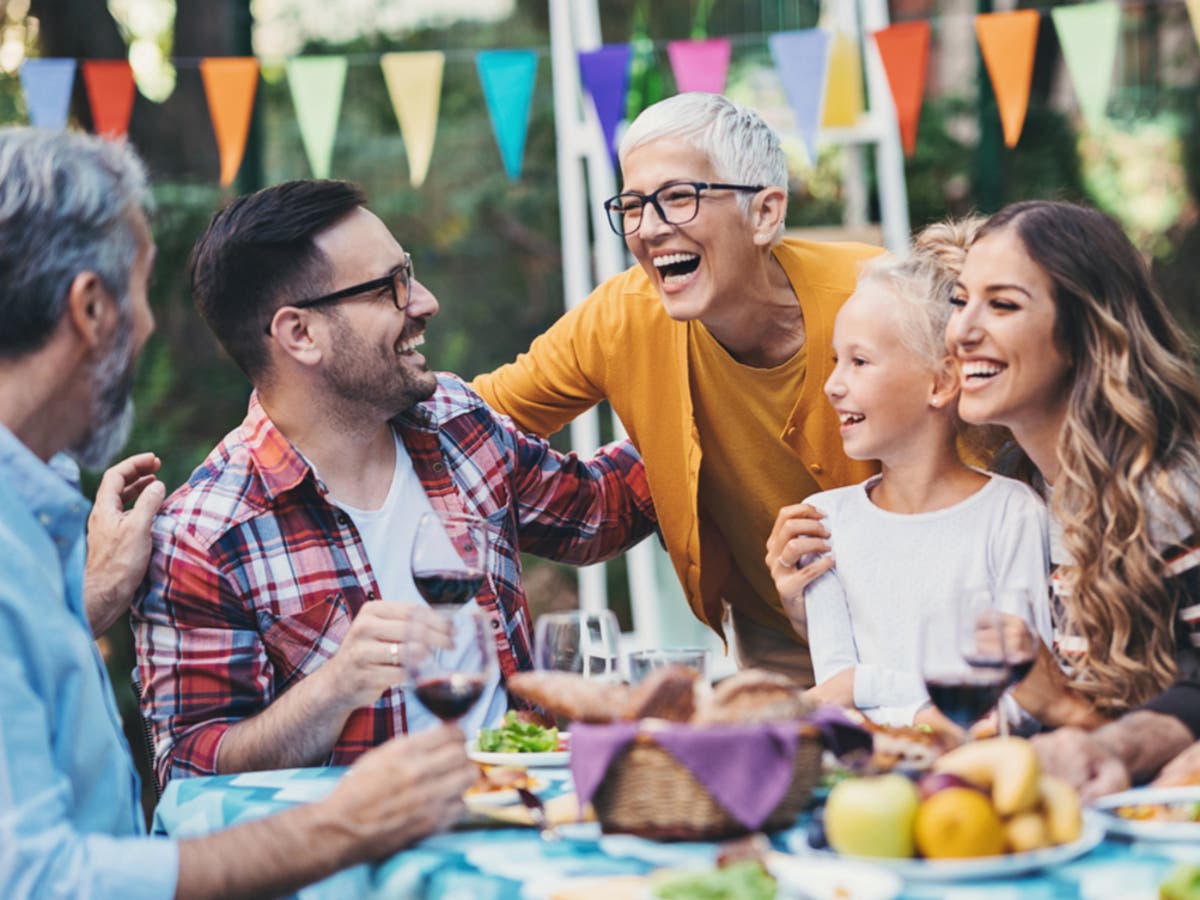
(262, 642)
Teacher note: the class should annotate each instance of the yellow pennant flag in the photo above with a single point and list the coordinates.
(414, 83)
(843, 85)
(1193, 8)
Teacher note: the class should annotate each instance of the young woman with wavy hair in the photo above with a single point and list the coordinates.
(1060, 337)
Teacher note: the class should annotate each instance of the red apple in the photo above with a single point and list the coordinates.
(932, 782)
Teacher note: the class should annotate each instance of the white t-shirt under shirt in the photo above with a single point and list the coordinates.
(387, 534)
(893, 569)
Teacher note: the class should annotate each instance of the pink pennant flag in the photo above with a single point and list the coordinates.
(700, 65)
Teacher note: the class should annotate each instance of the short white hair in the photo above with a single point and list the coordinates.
(742, 147)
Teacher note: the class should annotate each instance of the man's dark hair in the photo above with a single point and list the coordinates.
(257, 254)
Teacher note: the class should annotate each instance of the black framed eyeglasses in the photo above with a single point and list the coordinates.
(399, 280)
(676, 204)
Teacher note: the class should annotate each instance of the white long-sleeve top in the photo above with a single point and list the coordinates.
(894, 569)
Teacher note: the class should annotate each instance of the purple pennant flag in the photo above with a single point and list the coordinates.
(47, 85)
(605, 74)
(802, 58)
(700, 65)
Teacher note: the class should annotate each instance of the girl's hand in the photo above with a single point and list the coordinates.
(794, 557)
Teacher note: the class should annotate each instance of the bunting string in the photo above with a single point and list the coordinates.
(819, 70)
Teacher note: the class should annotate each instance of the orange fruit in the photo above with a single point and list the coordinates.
(958, 823)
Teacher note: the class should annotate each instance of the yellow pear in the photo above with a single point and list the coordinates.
(1026, 831)
(1006, 766)
(1064, 814)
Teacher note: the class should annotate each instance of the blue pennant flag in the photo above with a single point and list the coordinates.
(507, 78)
(802, 58)
(47, 85)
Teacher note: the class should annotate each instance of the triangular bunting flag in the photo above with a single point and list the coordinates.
(316, 83)
(605, 75)
(1088, 34)
(110, 92)
(414, 82)
(229, 85)
(700, 65)
(843, 88)
(904, 49)
(802, 60)
(1193, 8)
(507, 78)
(47, 85)
(1008, 41)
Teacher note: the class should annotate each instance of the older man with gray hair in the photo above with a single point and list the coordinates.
(75, 259)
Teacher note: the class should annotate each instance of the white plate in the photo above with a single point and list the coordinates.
(1149, 831)
(519, 760)
(827, 879)
(1006, 866)
(505, 797)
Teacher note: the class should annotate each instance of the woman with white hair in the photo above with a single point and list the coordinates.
(702, 349)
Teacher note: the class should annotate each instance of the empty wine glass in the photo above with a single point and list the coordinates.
(963, 660)
(578, 641)
(449, 558)
(449, 682)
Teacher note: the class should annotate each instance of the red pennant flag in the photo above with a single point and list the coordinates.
(110, 92)
(1008, 41)
(904, 49)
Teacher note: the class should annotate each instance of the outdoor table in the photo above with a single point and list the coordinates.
(499, 863)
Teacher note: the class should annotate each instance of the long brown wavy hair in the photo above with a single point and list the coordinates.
(1130, 438)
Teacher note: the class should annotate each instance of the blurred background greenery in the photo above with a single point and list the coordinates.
(488, 247)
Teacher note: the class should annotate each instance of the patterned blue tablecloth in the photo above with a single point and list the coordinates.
(510, 863)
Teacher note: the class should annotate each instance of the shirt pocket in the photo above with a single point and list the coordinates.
(300, 643)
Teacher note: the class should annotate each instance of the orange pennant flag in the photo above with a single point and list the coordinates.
(229, 85)
(110, 90)
(1008, 41)
(904, 49)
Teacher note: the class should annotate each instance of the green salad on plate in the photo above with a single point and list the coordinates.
(515, 736)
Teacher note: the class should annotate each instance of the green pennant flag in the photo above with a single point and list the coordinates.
(316, 83)
(1088, 33)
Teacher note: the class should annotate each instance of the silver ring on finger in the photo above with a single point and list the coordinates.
(394, 653)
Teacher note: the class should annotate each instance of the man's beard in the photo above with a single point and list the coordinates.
(372, 374)
(112, 402)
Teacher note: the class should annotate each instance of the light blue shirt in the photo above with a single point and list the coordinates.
(70, 818)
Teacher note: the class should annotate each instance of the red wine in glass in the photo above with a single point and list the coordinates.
(450, 696)
(1018, 669)
(965, 697)
(448, 589)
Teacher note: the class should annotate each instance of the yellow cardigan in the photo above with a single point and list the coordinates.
(620, 345)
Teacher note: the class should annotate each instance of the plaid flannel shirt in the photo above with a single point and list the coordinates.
(256, 576)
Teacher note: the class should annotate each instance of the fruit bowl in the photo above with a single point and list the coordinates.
(1004, 865)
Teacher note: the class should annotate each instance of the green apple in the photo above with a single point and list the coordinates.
(872, 816)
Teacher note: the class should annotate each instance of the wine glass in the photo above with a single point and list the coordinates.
(578, 641)
(450, 681)
(449, 558)
(963, 661)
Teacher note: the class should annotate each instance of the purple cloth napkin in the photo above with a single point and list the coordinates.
(840, 733)
(746, 768)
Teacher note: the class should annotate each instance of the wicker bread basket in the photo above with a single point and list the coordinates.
(648, 793)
